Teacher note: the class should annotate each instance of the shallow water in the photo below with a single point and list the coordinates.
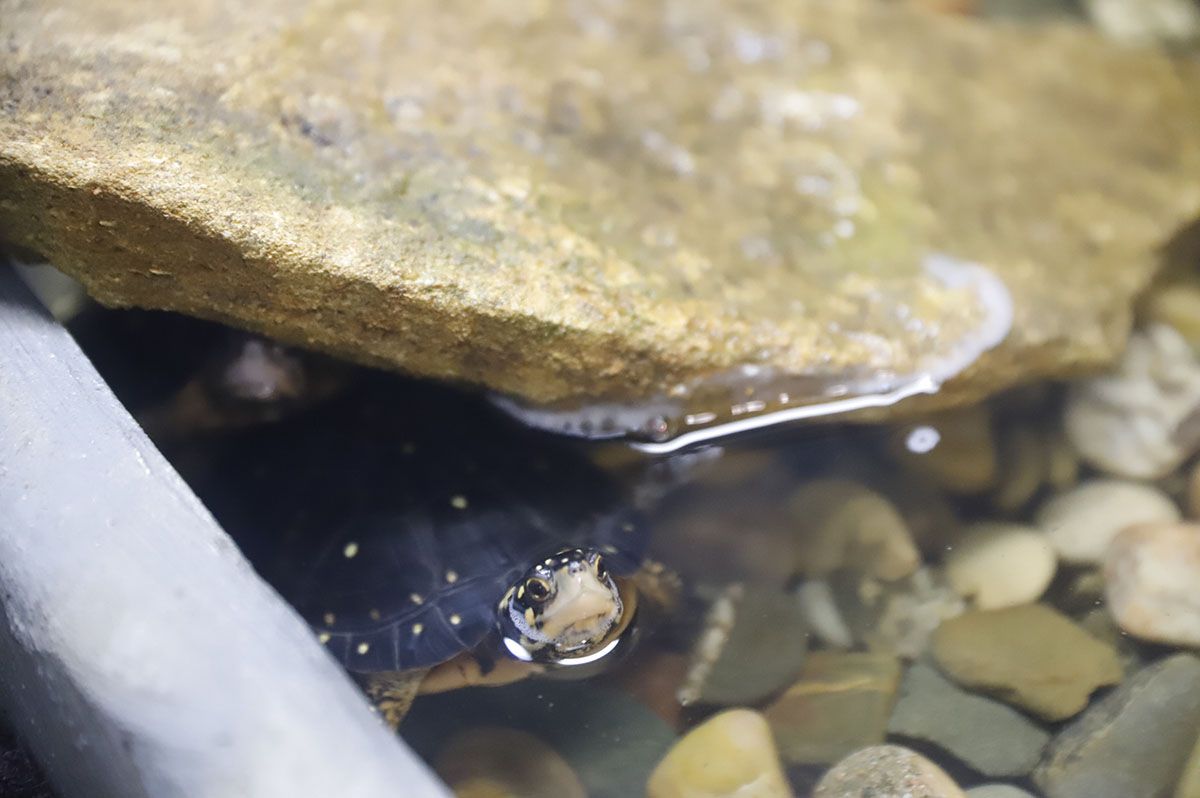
(816, 564)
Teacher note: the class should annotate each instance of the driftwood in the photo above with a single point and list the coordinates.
(139, 653)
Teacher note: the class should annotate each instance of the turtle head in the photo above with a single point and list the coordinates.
(564, 610)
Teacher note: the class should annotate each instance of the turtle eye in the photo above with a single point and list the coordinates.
(537, 588)
(601, 568)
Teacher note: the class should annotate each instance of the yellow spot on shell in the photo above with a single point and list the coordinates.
(350, 550)
(416, 598)
(451, 577)
(363, 648)
(323, 637)
(459, 502)
(329, 619)
(417, 628)
(374, 613)
(455, 619)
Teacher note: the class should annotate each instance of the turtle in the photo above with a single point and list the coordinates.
(432, 543)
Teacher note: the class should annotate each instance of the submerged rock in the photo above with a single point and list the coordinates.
(988, 736)
(1152, 582)
(1135, 741)
(506, 762)
(996, 564)
(1083, 521)
(731, 755)
(843, 524)
(840, 703)
(753, 645)
(570, 203)
(1140, 420)
(1030, 656)
(886, 770)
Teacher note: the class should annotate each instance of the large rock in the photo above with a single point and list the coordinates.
(569, 201)
(1134, 741)
(1029, 656)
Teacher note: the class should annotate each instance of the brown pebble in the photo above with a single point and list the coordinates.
(886, 770)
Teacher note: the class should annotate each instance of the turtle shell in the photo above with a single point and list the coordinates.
(401, 514)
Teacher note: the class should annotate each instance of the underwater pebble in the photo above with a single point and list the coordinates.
(1083, 521)
(1023, 466)
(1152, 582)
(1189, 782)
(840, 703)
(817, 602)
(930, 516)
(1062, 461)
(730, 755)
(997, 564)
(896, 617)
(1131, 421)
(1133, 742)
(984, 734)
(1146, 22)
(609, 739)
(754, 645)
(1176, 305)
(1193, 493)
(963, 460)
(886, 771)
(843, 524)
(654, 683)
(506, 762)
(998, 791)
(1030, 656)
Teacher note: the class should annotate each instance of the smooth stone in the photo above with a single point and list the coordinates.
(1030, 656)
(886, 771)
(997, 564)
(1083, 521)
(998, 791)
(1189, 782)
(731, 755)
(1193, 492)
(1152, 582)
(819, 605)
(840, 703)
(1024, 460)
(567, 206)
(506, 762)
(654, 683)
(986, 735)
(1138, 420)
(1062, 461)
(1176, 304)
(1146, 23)
(611, 741)
(843, 524)
(895, 617)
(762, 647)
(963, 460)
(1133, 742)
(931, 518)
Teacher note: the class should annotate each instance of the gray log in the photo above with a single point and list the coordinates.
(139, 653)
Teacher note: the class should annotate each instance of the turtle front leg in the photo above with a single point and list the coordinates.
(393, 693)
